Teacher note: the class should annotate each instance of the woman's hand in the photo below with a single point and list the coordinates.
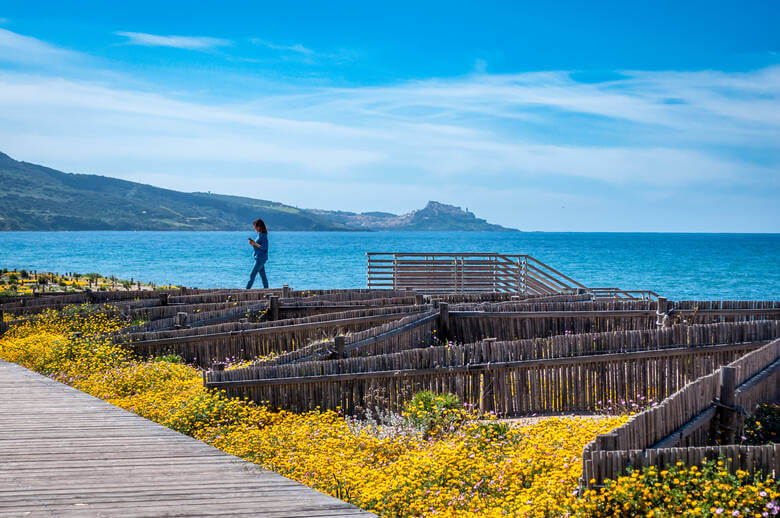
(252, 242)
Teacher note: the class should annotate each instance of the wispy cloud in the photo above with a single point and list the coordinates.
(648, 136)
(297, 48)
(24, 50)
(178, 42)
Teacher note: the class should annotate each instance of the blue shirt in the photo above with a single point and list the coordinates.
(261, 252)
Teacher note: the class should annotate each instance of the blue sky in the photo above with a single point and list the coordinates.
(622, 116)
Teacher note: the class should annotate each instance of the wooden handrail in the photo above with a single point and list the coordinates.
(450, 272)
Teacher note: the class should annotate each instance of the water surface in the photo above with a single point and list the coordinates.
(678, 266)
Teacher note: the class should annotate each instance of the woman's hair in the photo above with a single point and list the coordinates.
(260, 225)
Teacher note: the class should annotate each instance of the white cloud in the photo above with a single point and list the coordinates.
(670, 134)
(300, 49)
(179, 42)
(20, 49)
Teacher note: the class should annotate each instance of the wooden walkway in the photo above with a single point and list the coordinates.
(65, 453)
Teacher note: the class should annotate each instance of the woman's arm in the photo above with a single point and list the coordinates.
(263, 244)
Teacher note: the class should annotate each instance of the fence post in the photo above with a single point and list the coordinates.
(180, 320)
(419, 300)
(661, 312)
(727, 413)
(285, 291)
(340, 342)
(2, 323)
(395, 272)
(524, 274)
(444, 321)
(273, 308)
(164, 299)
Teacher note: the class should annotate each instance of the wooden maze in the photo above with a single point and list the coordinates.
(508, 352)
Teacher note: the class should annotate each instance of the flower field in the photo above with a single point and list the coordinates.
(469, 467)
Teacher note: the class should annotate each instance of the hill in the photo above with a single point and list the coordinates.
(34, 197)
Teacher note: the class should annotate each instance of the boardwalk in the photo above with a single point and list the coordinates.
(64, 453)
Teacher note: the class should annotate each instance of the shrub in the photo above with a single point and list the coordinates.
(706, 490)
(763, 426)
(170, 358)
(432, 413)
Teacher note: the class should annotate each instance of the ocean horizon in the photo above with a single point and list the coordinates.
(679, 266)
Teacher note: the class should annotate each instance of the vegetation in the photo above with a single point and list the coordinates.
(763, 426)
(708, 490)
(38, 198)
(439, 461)
(22, 282)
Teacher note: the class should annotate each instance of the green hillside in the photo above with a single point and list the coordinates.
(33, 197)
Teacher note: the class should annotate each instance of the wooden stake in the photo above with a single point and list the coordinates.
(444, 321)
(727, 412)
(340, 342)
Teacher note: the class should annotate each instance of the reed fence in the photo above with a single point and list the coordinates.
(203, 346)
(562, 374)
(410, 332)
(28, 305)
(686, 425)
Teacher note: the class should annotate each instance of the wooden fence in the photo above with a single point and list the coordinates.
(686, 424)
(562, 374)
(410, 332)
(246, 341)
(28, 305)
(518, 320)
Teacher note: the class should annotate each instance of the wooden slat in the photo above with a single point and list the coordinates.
(65, 453)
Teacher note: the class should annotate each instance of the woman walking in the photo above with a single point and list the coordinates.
(260, 248)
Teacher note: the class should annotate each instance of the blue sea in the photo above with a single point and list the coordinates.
(678, 266)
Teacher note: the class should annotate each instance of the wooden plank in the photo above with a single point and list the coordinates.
(65, 453)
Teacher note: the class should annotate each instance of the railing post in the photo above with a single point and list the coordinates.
(163, 299)
(444, 321)
(273, 308)
(661, 316)
(285, 291)
(395, 272)
(727, 412)
(525, 275)
(340, 342)
(180, 320)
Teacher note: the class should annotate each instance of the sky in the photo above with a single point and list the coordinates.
(552, 116)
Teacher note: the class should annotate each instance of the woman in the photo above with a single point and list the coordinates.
(260, 248)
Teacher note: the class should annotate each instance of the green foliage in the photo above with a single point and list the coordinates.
(170, 358)
(763, 426)
(431, 412)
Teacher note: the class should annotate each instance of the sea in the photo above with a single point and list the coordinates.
(677, 266)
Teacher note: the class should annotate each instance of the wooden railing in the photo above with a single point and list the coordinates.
(442, 273)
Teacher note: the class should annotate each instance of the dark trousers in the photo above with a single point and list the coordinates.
(259, 268)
